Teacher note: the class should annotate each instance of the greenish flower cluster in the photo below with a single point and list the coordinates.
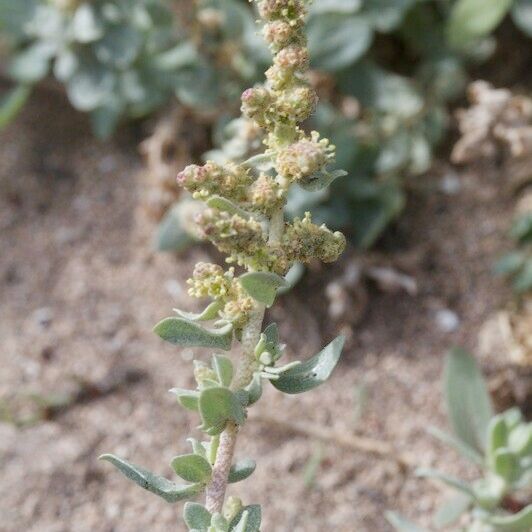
(244, 217)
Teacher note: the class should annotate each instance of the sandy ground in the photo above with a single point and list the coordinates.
(81, 288)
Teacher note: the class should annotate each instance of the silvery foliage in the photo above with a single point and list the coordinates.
(499, 445)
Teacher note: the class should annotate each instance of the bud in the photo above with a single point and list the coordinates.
(291, 10)
(202, 373)
(280, 33)
(232, 507)
(293, 58)
(210, 280)
(266, 194)
(297, 104)
(305, 157)
(256, 105)
(304, 240)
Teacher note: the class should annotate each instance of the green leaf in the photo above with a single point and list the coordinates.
(386, 15)
(497, 434)
(518, 522)
(241, 470)
(335, 6)
(90, 87)
(262, 286)
(192, 468)
(119, 46)
(196, 516)
(473, 19)
(247, 520)
(217, 406)
(453, 482)
(520, 439)
(313, 372)
(506, 464)
(32, 64)
(509, 264)
(223, 368)
(189, 399)
(322, 180)
(210, 312)
(225, 205)
(468, 402)
(12, 104)
(254, 389)
(171, 234)
(401, 524)
(463, 448)
(337, 41)
(522, 16)
(169, 491)
(451, 510)
(86, 26)
(180, 331)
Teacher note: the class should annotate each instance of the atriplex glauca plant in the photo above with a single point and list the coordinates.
(245, 219)
(499, 445)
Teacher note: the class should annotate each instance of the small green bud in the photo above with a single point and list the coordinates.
(232, 506)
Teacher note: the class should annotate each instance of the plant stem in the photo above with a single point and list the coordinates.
(215, 493)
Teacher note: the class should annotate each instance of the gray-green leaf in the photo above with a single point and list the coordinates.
(401, 524)
(247, 520)
(192, 468)
(180, 331)
(196, 516)
(169, 491)
(187, 398)
(518, 522)
(241, 470)
(210, 312)
(262, 286)
(313, 372)
(468, 402)
(223, 368)
(217, 406)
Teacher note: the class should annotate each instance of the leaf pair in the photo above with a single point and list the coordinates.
(199, 519)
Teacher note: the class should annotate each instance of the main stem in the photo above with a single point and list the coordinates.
(215, 493)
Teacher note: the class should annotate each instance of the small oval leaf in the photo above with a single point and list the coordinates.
(192, 467)
(241, 470)
(247, 520)
(209, 313)
(196, 516)
(217, 406)
(313, 372)
(186, 398)
(183, 332)
(262, 286)
(169, 491)
(223, 368)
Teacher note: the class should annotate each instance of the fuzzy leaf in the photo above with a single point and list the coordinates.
(217, 406)
(179, 331)
(337, 41)
(473, 19)
(518, 522)
(262, 286)
(451, 510)
(520, 439)
(223, 368)
(86, 27)
(225, 205)
(247, 520)
(254, 389)
(192, 468)
(187, 398)
(506, 464)
(313, 372)
(210, 312)
(241, 470)
(321, 180)
(465, 450)
(171, 235)
(455, 483)
(196, 516)
(468, 402)
(401, 524)
(169, 491)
